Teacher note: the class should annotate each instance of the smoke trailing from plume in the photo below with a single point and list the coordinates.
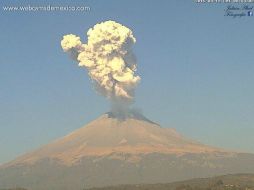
(109, 60)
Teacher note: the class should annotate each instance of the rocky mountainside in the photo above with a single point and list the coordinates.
(111, 151)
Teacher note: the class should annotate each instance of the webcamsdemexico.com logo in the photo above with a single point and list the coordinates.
(31, 8)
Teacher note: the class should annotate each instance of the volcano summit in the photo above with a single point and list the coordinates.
(122, 146)
(111, 151)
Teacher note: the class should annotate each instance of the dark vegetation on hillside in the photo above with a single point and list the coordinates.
(18, 188)
(227, 182)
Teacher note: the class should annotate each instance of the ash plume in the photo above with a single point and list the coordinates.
(109, 60)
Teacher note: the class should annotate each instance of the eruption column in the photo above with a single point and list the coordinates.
(109, 60)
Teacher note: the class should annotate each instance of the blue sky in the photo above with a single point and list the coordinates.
(196, 66)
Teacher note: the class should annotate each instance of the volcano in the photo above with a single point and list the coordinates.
(112, 150)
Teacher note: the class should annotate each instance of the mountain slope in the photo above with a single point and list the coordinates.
(110, 151)
(107, 135)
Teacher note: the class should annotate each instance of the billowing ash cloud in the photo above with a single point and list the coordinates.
(109, 60)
